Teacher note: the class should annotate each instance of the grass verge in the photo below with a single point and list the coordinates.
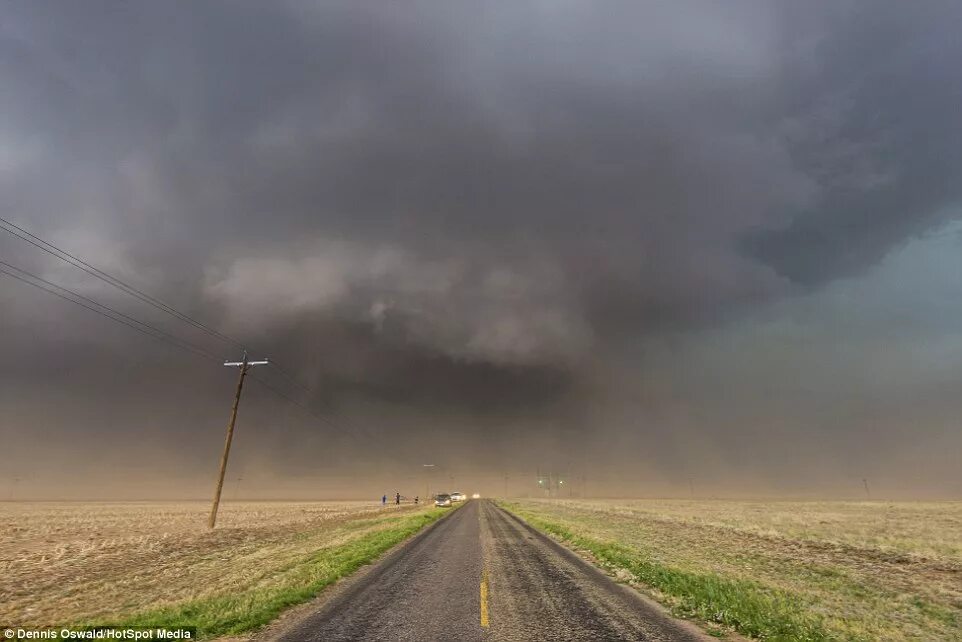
(747, 607)
(251, 608)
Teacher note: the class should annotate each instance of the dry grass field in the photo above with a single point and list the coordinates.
(68, 563)
(780, 570)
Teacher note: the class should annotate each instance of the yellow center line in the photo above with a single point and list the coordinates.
(484, 598)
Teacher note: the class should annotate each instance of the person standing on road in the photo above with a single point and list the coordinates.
(397, 499)
(383, 500)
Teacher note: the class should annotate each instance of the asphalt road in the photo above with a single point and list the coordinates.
(482, 574)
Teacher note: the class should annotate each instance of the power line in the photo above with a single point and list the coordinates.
(329, 409)
(130, 290)
(351, 427)
(290, 399)
(135, 324)
(123, 319)
(79, 263)
(291, 378)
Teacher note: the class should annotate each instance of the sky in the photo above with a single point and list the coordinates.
(656, 248)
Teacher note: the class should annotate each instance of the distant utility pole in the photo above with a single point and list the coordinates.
(244, 365)
(427, 481)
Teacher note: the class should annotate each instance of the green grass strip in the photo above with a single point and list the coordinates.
(250, 609)
(748, 607)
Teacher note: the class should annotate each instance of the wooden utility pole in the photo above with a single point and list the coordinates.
(244, 366)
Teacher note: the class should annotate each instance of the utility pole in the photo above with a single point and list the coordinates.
(427, 482)
(244, 366)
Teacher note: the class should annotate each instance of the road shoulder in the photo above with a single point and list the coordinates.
(627, 589)
(292, 617)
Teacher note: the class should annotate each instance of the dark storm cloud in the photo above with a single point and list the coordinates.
(880, 136)
(467, 207)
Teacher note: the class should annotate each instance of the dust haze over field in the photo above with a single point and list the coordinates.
(709, 247)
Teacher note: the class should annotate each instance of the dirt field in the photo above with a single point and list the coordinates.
(782, 570)
(64, 563)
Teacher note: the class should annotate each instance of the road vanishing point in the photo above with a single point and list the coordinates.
(483, 574)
